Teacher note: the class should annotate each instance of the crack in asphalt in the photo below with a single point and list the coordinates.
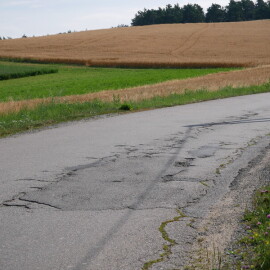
(94, 251)
(7, 203)
(36, 180)
(40, 203)
(14, 201)
(244, 171)
(236, 122)
(16, 205)
(90, 165)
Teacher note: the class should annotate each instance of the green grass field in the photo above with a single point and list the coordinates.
(14, 71)
(76, 80)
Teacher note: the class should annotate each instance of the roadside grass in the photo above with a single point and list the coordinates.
(14, 71)
(77, 80)
(254, 248)
(53, 113)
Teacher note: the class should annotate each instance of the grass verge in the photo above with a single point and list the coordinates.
(254, 248)
(53, 113)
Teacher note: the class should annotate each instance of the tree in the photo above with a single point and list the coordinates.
(122, 25)
(248, 8)
(139, 18)
(169, 14)
(237, 10)
(234, 12)
(158, 16)
(193, 14)
(261, 10)
(178, 14)
(215, 13)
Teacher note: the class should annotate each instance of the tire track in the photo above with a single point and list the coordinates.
(190, 42)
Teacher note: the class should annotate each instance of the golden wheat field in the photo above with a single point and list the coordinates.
(172, 45)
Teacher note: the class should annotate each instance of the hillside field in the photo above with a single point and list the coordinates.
(170, 45)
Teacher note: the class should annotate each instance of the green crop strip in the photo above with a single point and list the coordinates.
(13, 71)
(167, 248)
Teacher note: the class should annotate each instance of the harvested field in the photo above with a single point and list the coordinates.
(171, 45)
(211, 82)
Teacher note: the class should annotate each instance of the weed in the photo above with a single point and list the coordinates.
(125, 107)
(204, 183)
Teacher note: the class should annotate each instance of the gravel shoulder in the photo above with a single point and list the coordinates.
(220, 230)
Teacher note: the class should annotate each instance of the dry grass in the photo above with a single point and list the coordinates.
(212, 82)
(173, 45)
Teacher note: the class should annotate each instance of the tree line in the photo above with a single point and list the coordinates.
(3, 38)
(244, 10)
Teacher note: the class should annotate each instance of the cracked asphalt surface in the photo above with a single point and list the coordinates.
(94, 194)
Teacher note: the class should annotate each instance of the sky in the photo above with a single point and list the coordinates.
(43, 17)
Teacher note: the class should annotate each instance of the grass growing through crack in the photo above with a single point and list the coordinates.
(167, 248)
(53, 113)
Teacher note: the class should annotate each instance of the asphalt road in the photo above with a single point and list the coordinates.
(97, 194)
